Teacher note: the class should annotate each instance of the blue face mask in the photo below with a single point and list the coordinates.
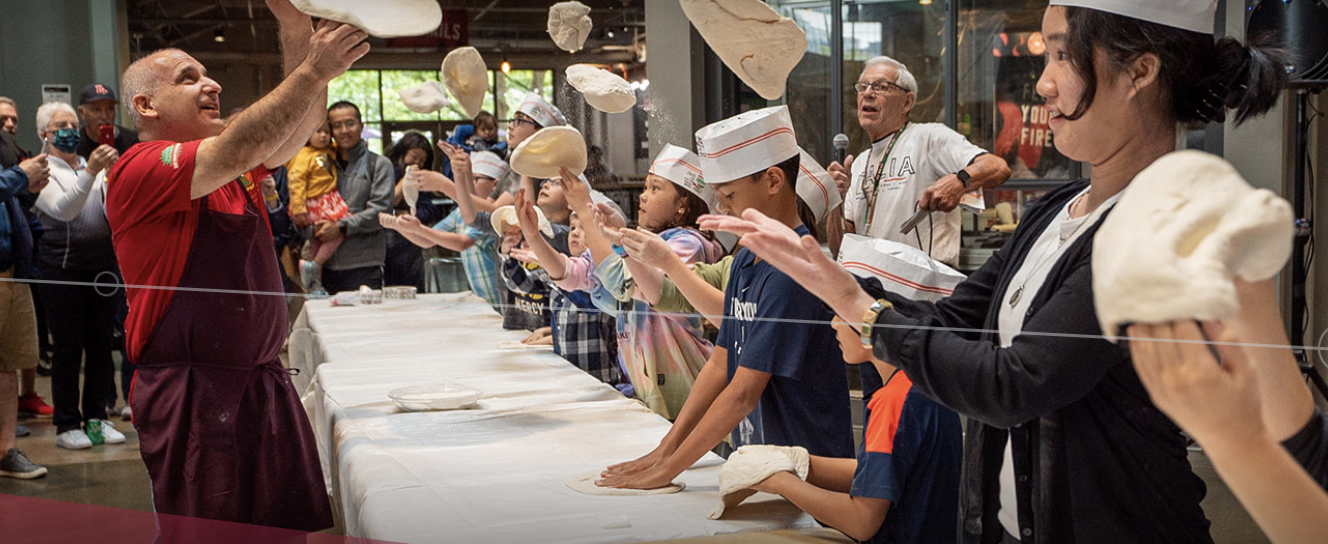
(66, 139)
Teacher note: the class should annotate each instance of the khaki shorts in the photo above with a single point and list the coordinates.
(18, 325)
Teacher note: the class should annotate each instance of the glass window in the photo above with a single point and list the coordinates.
(1000, 61)
(519, 82)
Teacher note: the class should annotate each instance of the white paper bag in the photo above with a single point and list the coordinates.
(902, 269)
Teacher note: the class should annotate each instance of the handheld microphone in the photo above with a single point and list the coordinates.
(840, 144)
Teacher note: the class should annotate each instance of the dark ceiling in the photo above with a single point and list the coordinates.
(513, 29)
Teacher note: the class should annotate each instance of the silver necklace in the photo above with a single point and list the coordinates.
(1019, 293)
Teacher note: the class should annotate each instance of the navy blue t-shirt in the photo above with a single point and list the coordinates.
(773, 325)
(911, 454)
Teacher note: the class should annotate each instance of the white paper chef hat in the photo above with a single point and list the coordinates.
(488, 164)
(1195, 15)
(544, 113)
(682, 167)
(745, 144)
(504, 218)
(815, 187)
(902, 269)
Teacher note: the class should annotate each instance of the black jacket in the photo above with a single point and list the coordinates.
(1094, 460)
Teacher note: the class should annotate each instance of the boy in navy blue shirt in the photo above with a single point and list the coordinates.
(775, 375)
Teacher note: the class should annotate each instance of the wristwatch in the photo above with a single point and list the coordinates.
(963, 177)
(869, 319)
(341, 226)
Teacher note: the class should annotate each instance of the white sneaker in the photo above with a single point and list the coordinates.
(109, 435)
(126, 414)
(73, 440)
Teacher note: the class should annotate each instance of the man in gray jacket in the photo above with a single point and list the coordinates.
(364, 179)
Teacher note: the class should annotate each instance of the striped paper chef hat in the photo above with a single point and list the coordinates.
(488, 164)
(815, 187)
(544, 113)
(745, 144)
(1196, 15)
(682, 167)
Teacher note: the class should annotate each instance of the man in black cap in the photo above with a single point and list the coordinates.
(96, 107)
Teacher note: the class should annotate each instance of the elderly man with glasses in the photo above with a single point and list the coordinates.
(909, 167)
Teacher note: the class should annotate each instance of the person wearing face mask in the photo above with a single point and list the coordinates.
(909, 167)
(76, 253)
(96, 107)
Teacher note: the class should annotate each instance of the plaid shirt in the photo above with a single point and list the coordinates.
(479, 260)
(585, 336)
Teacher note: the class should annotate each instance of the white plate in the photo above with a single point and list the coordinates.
(437, 396)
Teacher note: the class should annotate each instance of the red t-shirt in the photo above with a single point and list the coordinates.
(153, 221)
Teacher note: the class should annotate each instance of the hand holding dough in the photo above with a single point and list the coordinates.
(604, 90)
(466, 78)
(428, 97)
(381, 18)
(1183, 229)
(751, 465)
(569, 25)
(542, 154)
(753, 40)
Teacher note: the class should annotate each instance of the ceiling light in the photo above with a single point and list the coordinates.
(218, 36)
(506, 66)
(925, 2)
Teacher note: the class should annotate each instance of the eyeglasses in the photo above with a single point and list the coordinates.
(877, 87)
(517, 121)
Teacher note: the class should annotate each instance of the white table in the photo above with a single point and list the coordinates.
(497, 473)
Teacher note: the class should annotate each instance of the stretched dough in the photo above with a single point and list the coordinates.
(585, 483)
(428, 97)
(381, 18)
(466, 78)
(540, 155)
(751, 465)
(1182, 230)
(604, 90)
(757, 43)
(569, 25)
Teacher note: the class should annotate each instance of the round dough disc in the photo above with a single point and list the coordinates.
(542, 154)
(585, 483)
(603, 90)
(427, 97)
(381, 18)
(466, 78)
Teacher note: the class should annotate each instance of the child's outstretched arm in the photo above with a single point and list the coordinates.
(554, 263)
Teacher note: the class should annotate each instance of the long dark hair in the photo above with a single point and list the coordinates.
(1203, 77)
(411, 140)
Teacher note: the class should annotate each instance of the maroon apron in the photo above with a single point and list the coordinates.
(220, 426)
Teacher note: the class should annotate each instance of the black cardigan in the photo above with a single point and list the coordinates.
(1095, 461)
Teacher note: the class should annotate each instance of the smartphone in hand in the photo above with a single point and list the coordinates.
(107, 136)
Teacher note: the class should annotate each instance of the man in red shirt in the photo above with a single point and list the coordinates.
(221, 429)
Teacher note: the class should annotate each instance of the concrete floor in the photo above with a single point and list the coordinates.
(114, 476)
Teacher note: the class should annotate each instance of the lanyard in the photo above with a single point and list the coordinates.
(874, 194)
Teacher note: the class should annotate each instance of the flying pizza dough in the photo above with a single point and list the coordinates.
(585, 483)
(1182, 230)
(569, 25)
(381, 18)
(753, 40)
(751, 465)
(425, 98)
(604, 90)
(466, 78)
(505, 218)
(542, 154)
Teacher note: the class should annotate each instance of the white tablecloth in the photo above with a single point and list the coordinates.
(496, 473)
